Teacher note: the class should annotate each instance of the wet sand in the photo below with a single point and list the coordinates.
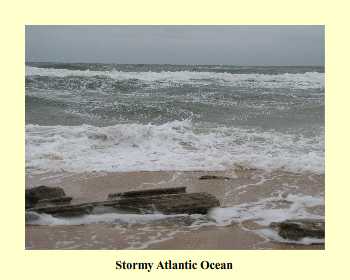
(245, 186)
(104, 236)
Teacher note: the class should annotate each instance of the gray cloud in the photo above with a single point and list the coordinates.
(239, 45)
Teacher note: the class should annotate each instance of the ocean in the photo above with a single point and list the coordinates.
(110, 117)
(263, 126)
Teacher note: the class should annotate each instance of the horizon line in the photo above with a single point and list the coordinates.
(239, 65)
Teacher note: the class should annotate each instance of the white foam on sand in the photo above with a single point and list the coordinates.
(273, 235)
(262, 213)
(106, 218)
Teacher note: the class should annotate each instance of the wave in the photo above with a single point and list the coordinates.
(176, 145)
(308, 80)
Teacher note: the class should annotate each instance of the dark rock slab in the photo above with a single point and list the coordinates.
(189, 203)
(43, 192)
(29, 203)
(54, 201)
(65, 210)
(301, 228)
(213, 177)
(34, 195)
(148, 192)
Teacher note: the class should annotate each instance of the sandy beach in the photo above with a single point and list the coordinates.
(245, 187)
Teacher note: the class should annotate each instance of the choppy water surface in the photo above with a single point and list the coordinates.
(85, 117)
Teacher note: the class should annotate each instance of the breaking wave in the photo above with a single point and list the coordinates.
(308, 80)
(176, 145)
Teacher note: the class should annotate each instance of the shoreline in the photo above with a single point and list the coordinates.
(244, 187)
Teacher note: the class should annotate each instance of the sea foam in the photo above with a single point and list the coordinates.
(176, 145)
(308, 80)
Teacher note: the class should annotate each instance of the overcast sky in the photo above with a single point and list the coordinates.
(238, 45)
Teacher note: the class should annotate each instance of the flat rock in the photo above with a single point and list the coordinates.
(65, 210)
(300, 228)
(181, 203)
(188, 203)
(213, 177)
(34, 195)
(54, 201)
(148, 192)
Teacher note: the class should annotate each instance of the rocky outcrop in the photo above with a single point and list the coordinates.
(147, 192)
(54, 201)
(189, 203)
(300, 228)
(213, 177)
(176, 203)
(45, 196)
